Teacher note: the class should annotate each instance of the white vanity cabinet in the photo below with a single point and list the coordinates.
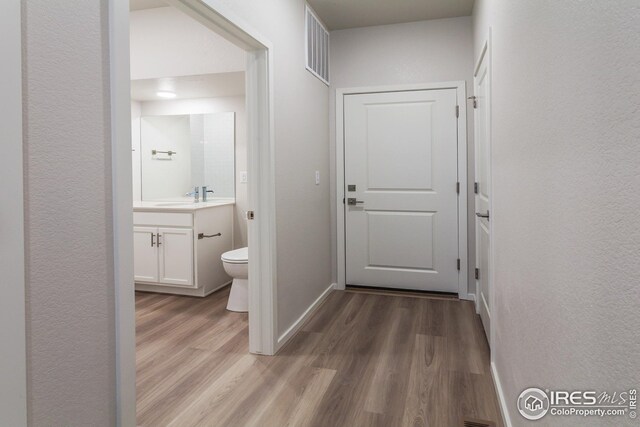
(163, 255)
(179, 252)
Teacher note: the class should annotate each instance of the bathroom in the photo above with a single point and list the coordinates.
(189, 183)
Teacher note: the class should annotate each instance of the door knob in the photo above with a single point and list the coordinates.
(352, 201)
(480, 215)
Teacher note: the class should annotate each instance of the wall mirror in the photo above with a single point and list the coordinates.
(180, 152)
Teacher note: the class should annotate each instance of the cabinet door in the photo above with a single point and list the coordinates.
(176, 256)
(145, 254)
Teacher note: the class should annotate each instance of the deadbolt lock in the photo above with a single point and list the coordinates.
(351, 187)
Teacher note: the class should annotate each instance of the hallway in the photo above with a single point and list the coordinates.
(361, 360)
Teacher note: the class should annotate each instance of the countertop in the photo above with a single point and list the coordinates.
(179, 206)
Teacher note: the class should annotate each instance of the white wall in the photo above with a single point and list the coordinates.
(216, 105)
(418, 52)
(68, 215)
(565, 156)
(167, 43)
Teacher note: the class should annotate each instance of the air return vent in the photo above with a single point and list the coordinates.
(317, 46)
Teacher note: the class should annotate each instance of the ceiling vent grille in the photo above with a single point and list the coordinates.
(317, 46)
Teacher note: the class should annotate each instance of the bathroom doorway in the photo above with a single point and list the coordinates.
(259, 177)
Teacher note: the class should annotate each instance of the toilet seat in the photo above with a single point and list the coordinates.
(237, 256)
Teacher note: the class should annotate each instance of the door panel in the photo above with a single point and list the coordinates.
(176, 256)
(401, 156)
(482, 121)
(405, 163)
(390, 230)
(145, 254)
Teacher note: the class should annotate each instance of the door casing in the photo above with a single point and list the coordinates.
(460, 87)
(13, 353)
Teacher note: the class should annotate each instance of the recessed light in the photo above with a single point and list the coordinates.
(165, 94)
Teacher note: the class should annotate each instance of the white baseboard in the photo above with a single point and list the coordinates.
(286, 336)
(501, 400)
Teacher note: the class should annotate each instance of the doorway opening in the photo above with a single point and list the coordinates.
(170, 239)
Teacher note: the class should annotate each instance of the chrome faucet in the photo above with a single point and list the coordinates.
(204, 193)
(195, 193)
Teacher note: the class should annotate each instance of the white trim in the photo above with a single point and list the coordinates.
(460, 86)
(122, 212)
(13, 369)
(261, 185)
(504, 408)
(305, 316)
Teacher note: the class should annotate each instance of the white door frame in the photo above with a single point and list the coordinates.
(460, 87)
(13, 369)
(261, 184)
(485, 53)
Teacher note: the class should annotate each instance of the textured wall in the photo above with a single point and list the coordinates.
(70, 291)
(418, 52)
(565, 156)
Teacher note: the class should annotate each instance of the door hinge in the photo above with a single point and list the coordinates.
(458, 187)
(457, 111)
(475, 187)
(458, 264)
(250, 215)
(477, 273)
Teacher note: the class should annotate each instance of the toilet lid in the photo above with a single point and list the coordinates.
(237, 256)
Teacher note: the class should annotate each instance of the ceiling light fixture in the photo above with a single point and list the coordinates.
(165, 94)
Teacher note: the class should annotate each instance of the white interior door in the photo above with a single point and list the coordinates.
(401, 171)
(145, 254)
(482, 87)
(175, 248)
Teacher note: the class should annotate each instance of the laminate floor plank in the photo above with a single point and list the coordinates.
(363, 359)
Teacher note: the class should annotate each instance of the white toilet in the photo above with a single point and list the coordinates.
(236, 264)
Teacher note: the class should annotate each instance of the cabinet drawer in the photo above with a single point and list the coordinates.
(166, 219)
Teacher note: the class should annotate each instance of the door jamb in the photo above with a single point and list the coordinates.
(460, 87)
(13, 353)
(261, 184)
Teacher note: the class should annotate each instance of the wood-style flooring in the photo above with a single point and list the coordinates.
(361, 360)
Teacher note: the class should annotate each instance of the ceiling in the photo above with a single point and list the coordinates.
(146, 4)
(190, 87)
(341, 14)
